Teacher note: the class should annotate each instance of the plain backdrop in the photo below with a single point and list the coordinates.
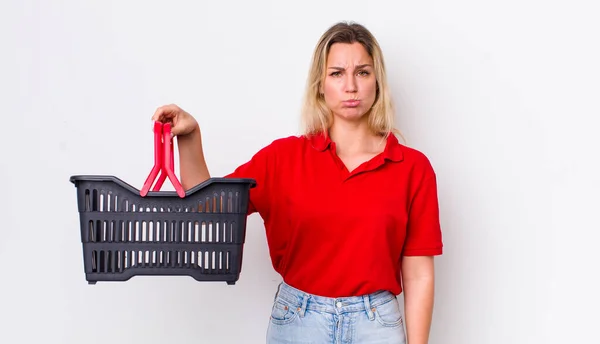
(502, 96)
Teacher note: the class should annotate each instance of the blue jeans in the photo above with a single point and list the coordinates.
(298, 317)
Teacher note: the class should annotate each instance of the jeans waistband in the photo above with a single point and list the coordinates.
(302, 301)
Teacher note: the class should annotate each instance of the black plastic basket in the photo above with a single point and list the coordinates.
(127, 232)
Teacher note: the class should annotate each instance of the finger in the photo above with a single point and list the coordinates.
(160, 114)
(164, 112)
(157, 114)
(175, 130)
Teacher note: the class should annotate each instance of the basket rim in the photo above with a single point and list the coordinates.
(110, 178)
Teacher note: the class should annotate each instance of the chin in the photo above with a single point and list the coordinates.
(350, 114)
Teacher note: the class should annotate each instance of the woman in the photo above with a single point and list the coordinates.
(351, 215)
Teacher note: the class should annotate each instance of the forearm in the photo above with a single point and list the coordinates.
(418, 285)
(193, 168)
(418, 309)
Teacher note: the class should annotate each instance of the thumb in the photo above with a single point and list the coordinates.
(175, 130)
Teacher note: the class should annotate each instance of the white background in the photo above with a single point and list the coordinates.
(502, 96)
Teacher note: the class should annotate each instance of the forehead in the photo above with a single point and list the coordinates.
(346, 54)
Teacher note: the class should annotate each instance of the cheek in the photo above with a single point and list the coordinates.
(370, 88)
(330, 89)
(332, 95)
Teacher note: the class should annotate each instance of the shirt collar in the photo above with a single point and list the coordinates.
(392, 151)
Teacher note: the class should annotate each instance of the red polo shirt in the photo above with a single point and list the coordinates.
(337, 233)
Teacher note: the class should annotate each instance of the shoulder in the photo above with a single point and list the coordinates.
(413, 155)
(417, 161)
(288, 141)
(285, 144)
(281, 146)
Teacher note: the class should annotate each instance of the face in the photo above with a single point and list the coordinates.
(350, 84)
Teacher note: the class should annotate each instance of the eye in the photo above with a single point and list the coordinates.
(335, 74)
(363, 73)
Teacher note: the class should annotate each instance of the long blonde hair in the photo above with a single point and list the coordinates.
(316, 116)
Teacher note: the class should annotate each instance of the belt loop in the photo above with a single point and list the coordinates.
(302, 309)
(368, 307)
(277, 292)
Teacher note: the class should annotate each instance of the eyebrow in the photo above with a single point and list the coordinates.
(357, 67)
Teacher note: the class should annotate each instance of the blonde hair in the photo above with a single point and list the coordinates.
(316, 116)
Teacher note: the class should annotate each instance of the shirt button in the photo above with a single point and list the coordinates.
(339, 304)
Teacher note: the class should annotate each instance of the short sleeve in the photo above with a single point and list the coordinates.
(256, 168)
(423, 235)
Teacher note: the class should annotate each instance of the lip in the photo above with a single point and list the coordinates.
(351, 102)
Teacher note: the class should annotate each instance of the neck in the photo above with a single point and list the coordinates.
(353, 138)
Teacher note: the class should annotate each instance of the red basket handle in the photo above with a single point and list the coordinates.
(163, 161)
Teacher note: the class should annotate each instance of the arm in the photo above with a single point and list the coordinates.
(193, 168)
(423, 242)
(418, 285)
(189, 142)
(191, 159)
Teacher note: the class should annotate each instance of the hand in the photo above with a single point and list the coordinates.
(182, 123)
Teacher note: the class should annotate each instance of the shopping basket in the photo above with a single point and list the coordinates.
(127, 232)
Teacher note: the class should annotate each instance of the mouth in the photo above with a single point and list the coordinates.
(351, 103)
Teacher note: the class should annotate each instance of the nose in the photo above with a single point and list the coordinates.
(351, 86)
